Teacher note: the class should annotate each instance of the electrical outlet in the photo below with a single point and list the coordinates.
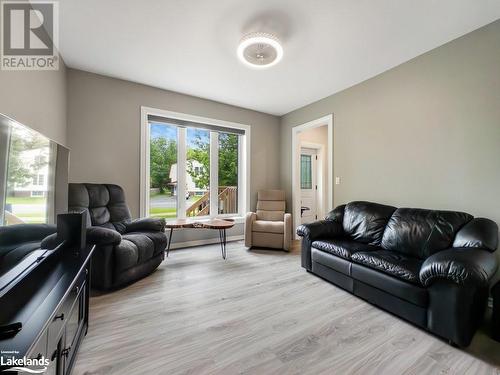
(337, 180)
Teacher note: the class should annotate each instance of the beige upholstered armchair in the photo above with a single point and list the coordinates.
(270, 226)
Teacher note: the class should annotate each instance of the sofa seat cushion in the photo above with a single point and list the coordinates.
(392, 263)
(404, 290)
(159, 240)
(269, 226)
(343, 248)
(137, 248)
(329, 260)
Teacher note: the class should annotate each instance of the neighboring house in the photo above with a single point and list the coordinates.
(191, 187)
(39, 183)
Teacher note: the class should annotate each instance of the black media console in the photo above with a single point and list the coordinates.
(47, 307)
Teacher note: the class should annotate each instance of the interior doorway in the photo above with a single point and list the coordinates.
(312, 170)
(309, 184)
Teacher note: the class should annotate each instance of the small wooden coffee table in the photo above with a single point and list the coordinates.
(219, 224)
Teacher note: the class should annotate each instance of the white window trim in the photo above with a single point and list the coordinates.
(243, 162)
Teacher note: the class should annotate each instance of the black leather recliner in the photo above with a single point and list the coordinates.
(127, 249)
(432, 268)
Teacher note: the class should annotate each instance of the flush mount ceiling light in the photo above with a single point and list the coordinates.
(260, 50)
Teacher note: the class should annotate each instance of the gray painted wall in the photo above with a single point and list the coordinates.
(424, 134)
(36, 99)
(104, 133)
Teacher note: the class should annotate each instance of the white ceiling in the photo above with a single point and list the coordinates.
(189, 46)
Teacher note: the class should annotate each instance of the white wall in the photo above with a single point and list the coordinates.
(36, 99)
(104, 135)
(424, 134)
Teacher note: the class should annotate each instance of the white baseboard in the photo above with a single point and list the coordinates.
(209, 241)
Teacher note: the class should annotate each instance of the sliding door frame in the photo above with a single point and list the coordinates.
(243, 164)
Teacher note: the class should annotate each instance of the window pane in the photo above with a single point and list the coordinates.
(228, 173)
(28, 170)
(197, 172)
(163, 170)
(305, 172)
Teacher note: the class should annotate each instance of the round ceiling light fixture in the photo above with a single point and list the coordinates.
(260, 50)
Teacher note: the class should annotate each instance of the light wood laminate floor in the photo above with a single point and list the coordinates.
(258, 312)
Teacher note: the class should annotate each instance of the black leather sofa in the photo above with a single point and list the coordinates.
(127, 249)
(432, 268)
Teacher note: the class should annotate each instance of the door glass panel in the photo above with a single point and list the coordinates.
(228, 173)
(197, 172)
(163, 170)
(305, 172)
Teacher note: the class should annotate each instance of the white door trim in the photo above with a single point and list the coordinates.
(328, 121)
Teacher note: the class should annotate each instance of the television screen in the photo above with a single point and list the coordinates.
(33, 175)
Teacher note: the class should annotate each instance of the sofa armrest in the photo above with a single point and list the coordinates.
(287, 231)
(462, 266)
(314, 231)
(320, 229)
(103, 236)
(250, 217)
(150, 224)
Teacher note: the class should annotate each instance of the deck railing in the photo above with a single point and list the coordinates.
(227, 200)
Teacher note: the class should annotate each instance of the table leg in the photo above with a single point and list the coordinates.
(169, 241)
(222, 238)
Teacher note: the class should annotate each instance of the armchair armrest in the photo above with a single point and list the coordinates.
(95, 236)
(249, 219)
(103, 236)
(145, 224)
(320, 229)
(462, 266)
(287, 232)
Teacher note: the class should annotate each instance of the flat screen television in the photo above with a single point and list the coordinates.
(33, 180)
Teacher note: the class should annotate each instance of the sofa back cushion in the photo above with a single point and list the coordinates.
(105, 204)
(420, 233)
(365, 221)
(337, 214)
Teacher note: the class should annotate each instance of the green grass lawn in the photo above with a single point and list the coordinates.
(167, 213)
(36, 211)
(26, 200)
(166, 194)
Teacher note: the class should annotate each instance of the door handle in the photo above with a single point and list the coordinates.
(57, 317)
(303, 209)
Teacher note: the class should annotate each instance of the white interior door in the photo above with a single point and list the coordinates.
(308, 185)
